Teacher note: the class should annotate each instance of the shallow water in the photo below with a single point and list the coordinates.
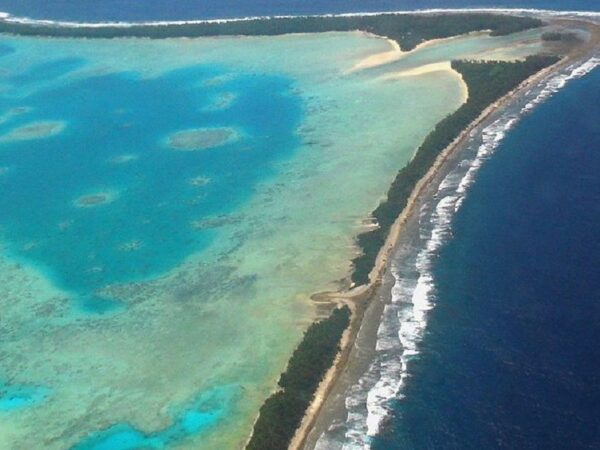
(151, 296)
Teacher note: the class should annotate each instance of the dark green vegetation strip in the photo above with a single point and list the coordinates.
(487, 82)
(407, 30)
(282, 413)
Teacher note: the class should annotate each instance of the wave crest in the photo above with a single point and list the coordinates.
(413, 295)
(9, 18)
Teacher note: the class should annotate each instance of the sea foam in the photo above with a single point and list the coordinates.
(9, 18)
(404, 319)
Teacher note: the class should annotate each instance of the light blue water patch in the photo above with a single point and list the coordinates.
(14, 397)
(105, 199)
(45, 71)
(6, 49)
(210, 408)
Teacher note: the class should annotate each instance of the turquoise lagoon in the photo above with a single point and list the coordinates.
(168, 207)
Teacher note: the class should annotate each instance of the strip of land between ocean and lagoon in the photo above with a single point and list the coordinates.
(359, 298)
(483, 98)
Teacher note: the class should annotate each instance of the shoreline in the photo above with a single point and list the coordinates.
(361, 297)
(396, 53)
(9, 18)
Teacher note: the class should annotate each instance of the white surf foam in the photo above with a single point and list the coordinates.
(404, 320)
(7, 17)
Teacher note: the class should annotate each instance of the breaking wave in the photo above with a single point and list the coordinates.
(413, 295)
(9, 18)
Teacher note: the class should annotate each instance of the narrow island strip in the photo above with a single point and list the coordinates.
(279, 421)
(407, 30)
(287, 416)
(491, 85)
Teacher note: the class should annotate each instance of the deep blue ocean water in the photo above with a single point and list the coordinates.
(511, 357)
(135, 10)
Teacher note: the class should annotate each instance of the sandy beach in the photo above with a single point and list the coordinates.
(358, 299)
(396, 53)
(151, 246)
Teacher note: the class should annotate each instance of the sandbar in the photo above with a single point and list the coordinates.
(444, 66)
(359, 298)
(396, 53)
(382, 58)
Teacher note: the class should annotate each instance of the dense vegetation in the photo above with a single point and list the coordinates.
(557, 36)
(408, 30)
(487, 81)
(282, 413)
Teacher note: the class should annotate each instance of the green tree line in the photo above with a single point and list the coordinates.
(408, 30)
(487, 82)
(282, 412)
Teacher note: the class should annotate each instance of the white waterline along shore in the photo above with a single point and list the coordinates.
(7, 17)
(402, 317)
(306, 226)
(420, 296)
(319, 87)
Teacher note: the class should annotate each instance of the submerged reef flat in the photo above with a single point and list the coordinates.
(174, 366)
(199, 181)
(16, 397)
(221, 102)
(123, 159)
(202, 138)
(215, 222)
(131, 246)
(13, 112)
(95, 199)
(36, 130)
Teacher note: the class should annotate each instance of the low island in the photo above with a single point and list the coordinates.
(289, 415)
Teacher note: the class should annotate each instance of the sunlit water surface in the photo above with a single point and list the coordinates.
(168, 207)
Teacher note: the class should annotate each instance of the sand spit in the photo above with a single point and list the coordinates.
(396, 53)
(359, 298)
(382, 58)
(445, 66)
(421, 70)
